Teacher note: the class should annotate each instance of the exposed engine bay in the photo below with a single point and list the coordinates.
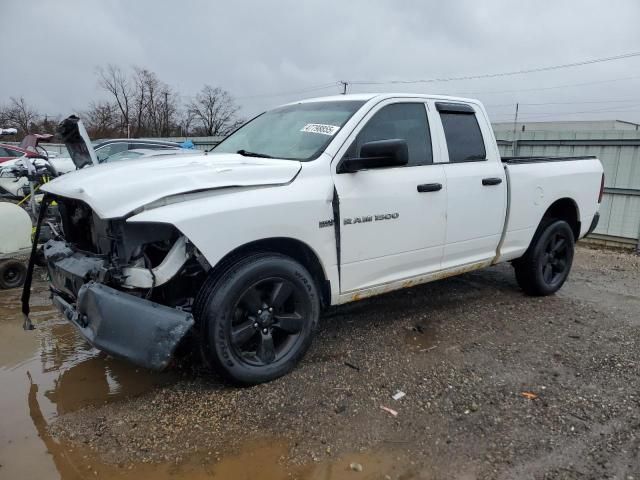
(129, 288)
(143, 259)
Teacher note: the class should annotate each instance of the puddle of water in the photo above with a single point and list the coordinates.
(48, 372)
(52, 371)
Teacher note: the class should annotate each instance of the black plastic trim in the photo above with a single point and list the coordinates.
(521, 160)
(429, 187)
(594, 224)
(491, 181)
(445, 107)
(143, 332)
(335, 206)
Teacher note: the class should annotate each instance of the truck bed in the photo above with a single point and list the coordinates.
(534, 183)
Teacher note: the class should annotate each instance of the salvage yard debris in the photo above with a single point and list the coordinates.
(351, 365)
(398, 395)
(389, 410)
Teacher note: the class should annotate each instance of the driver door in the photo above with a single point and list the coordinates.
(393, 219)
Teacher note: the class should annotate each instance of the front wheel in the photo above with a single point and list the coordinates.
(257, 319)
(546, 265)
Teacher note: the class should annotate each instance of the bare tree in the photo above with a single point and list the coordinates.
(115, 82)
(20, 115)
(214, 110)
(102, 119)
(186, 120)
(155, 104)
(138, 104)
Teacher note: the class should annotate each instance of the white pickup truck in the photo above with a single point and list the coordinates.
(315, 203)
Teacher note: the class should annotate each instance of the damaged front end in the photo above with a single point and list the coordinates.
(127, 287)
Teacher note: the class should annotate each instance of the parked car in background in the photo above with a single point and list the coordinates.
(8, 131)
(11, 152)
(106, 148)
(140, 153)
(15, 186)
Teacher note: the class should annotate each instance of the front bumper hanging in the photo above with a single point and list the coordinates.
(143, 332)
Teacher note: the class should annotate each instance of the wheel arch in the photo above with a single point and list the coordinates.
(291, 247)
(564, 209)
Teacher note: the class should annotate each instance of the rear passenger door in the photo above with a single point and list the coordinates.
(392, 220)
(476, 186)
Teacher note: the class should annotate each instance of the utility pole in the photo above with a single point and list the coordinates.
(344, 86)
(514, 142)
(166, 113)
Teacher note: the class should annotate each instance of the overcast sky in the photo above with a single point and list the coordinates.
(259, 49)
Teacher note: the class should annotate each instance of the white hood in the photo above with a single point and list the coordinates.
(115, 189)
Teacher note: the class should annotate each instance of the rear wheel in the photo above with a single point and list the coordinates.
(257, 319)
(545, 266)
(12, 273)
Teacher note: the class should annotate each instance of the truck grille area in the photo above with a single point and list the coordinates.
(70, 270)
(82, 228)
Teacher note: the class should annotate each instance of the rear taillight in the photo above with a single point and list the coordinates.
(601, 189)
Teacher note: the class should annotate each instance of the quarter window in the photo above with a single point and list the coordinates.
(406, 121)
(464, 138)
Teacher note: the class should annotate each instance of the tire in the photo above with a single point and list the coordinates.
(241, 337)
(546, 265)
(12, 273)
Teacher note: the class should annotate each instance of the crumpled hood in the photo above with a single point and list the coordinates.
(115, 189)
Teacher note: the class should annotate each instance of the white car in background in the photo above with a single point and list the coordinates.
(139, 153)
(15, 186)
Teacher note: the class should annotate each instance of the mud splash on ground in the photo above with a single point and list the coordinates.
(52, 371)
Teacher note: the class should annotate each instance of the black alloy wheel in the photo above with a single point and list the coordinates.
(546, 264)
(555, 261)
(268, 321)
(256, 317)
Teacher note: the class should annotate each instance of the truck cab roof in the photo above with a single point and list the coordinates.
(383, 96)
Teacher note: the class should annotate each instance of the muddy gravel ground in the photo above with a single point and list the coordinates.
(498, 385)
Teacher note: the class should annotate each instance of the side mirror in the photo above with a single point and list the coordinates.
(377, 154)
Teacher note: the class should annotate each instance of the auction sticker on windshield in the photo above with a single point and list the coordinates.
(320, 128)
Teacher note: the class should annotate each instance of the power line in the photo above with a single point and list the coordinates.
(626, 109)
(500, 74)
(345, 83)
(535, 89)
(284, 94)
(564, 103)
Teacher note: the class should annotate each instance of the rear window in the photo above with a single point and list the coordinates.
(464, 138)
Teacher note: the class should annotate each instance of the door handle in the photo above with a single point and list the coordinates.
(429, 187)
(491, 181)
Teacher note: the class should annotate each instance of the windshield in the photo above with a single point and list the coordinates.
(294, 132)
